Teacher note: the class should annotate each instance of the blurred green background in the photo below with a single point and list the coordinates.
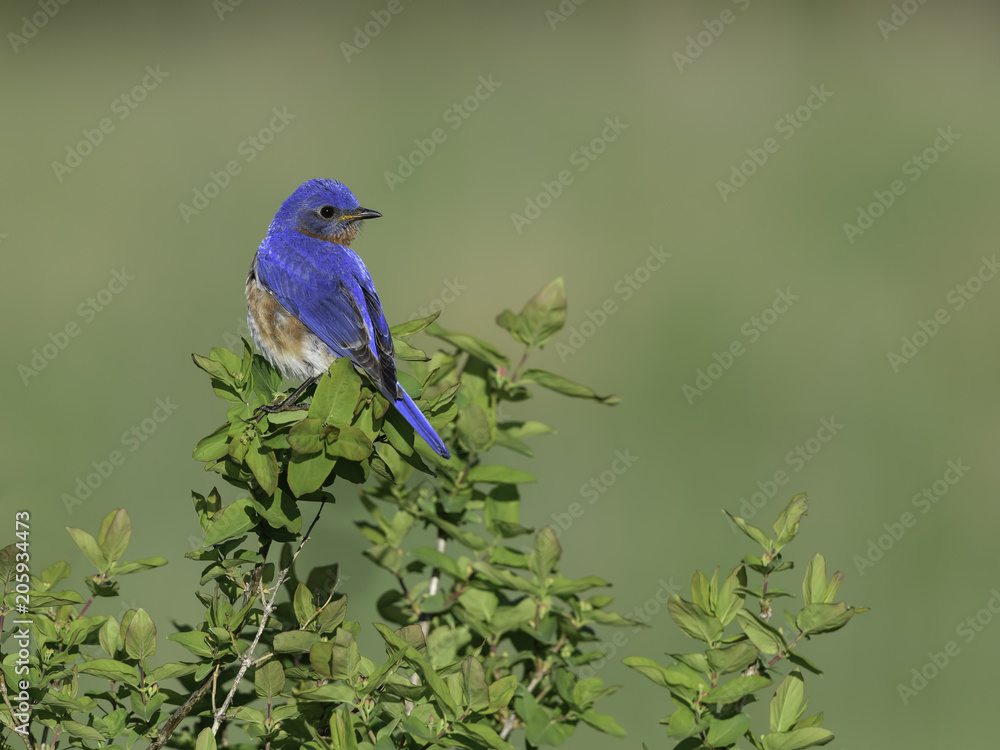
(222, 70)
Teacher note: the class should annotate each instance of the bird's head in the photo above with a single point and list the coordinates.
(324, 209)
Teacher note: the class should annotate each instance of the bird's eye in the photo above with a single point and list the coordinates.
(326, 212)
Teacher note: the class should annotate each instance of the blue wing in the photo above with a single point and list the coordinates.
(328, 288)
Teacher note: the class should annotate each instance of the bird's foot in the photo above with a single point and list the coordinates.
(286, 405)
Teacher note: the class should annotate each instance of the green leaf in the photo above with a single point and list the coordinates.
(725, 732)
(90, 548)
(498, 475)
(280, 511)
(474, 346)
(294, 641)
(351, 443)
(338, 659)
(786, 706)
(108, 636)
(825, 618)
(477, 731)
(545, 554)
(269, 679)
(796, 739)
(8, 564)
(55, 598)
(736, 688)
(479, 603)
(544, 315)
(214, 368)
(502, 691)
(206, 740)
(474, 429)
(603, 723)
(139, 565)
(332, 615)
(337, 394)
(82, 731)
(213, 447)
(701, 591)
(810, 721)
(564, 386)
(232, 521)
(264, 465)
(342, 736)
(140, 637)
(733, 658)
(308, 436)
(53, 574)
(729, 600)
(306, 474)
(403, 351)
(116, 535)
(539, 726)
(751, 531)
(303, 604)
(815, 588)
(764, 637)
(411, 327)
(694, 621)
(696, 661)
(194, 641)
(439, 560)
(682, 724)
(170, 671)
(649, 668)
(787, 524)
(110, 669)
(475, 690)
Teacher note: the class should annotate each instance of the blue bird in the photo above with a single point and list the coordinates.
(310, 298)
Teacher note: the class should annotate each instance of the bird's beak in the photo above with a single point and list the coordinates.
(362, 213)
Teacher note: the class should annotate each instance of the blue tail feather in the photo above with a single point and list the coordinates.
(415, 417)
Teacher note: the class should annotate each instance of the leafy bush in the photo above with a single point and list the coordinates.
(483, 635)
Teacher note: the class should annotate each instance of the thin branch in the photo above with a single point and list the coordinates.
(180, 714)
(510, 721)
(432, 589)
(247, 659)
(26, 738)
